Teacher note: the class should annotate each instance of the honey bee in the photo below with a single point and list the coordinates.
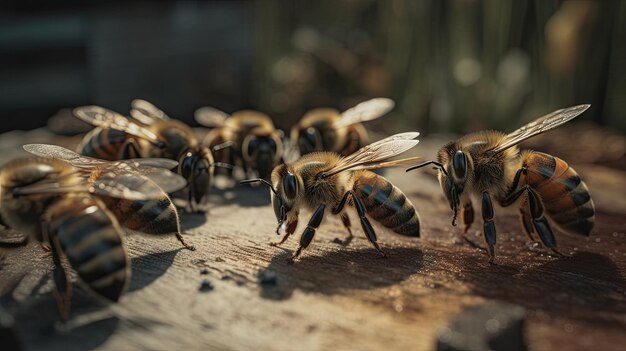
(325, 129)
(149, 209)
(150, 133)
(61, 203)
(257, 144)
(488, 164)
(325, 179)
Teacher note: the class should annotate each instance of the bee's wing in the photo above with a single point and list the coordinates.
(365, 111)
(146, 113)
(371, 155)
(210, 117)
(130, 186)
(156, 169)
(405, 162)
(61, 153)
(540, 125)
(102, 117)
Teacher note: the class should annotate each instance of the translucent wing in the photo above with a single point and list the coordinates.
(540, 125)
(102, 117)
(365, 111)
(210, 117)
(156, 169)
(371, 155)
(130, 186)
(77, 160)
(146, 113)
(405, 162)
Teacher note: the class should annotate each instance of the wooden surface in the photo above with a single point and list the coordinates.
(335, 297)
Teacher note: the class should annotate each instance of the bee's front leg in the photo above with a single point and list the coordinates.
(286, 228)
(468, 216)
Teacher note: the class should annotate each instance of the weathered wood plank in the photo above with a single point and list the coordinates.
(335, 296)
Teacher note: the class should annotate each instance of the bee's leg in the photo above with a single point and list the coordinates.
(346, 223)
(365, 223)
(489, 228)
(309, 232)
(344, 217)
(62, 287)
(527, 224)
(539, 221)
(537, 218)
(468, 216)
(290, 228)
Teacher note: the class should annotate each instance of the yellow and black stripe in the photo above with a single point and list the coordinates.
(564, 195)
(106, 144)
(386, 204)
(91, 240)
(156, 216)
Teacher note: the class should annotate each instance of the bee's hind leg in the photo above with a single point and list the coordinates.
(537, 219)
(309, 231)
(365, 223)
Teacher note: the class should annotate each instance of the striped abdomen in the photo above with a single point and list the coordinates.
(107, 144)
(91, 240)
(387, 204)
(158, 216)
(564, 195)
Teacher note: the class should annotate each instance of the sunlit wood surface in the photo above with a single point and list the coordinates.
(335, 297)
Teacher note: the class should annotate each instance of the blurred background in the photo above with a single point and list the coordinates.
(451, 66)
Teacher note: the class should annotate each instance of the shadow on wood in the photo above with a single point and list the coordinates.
(567, 286)
(336, 271)
(148, 268)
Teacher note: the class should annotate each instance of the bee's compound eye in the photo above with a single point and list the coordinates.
(252, 146)
(289, 185)
(186, 164)
(459, 163)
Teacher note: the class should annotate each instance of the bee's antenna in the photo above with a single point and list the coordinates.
(439, 165)
(247, 181)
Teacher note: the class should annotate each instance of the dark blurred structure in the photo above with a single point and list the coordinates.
(450, 65)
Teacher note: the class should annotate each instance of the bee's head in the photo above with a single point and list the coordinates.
(287, 187)
(284, 191)
(263, 150)
(456, 168)
(195, 165)
(309, 140)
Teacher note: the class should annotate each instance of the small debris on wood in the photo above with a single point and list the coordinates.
(492, 326)
(206, 286)
(267, 277)
(204, 271)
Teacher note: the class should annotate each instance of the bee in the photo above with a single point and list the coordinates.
(61, 203)
(488, 165)
(325, 129)
(257, 144)
(153, 214)
(325, 179)
(150, 133)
